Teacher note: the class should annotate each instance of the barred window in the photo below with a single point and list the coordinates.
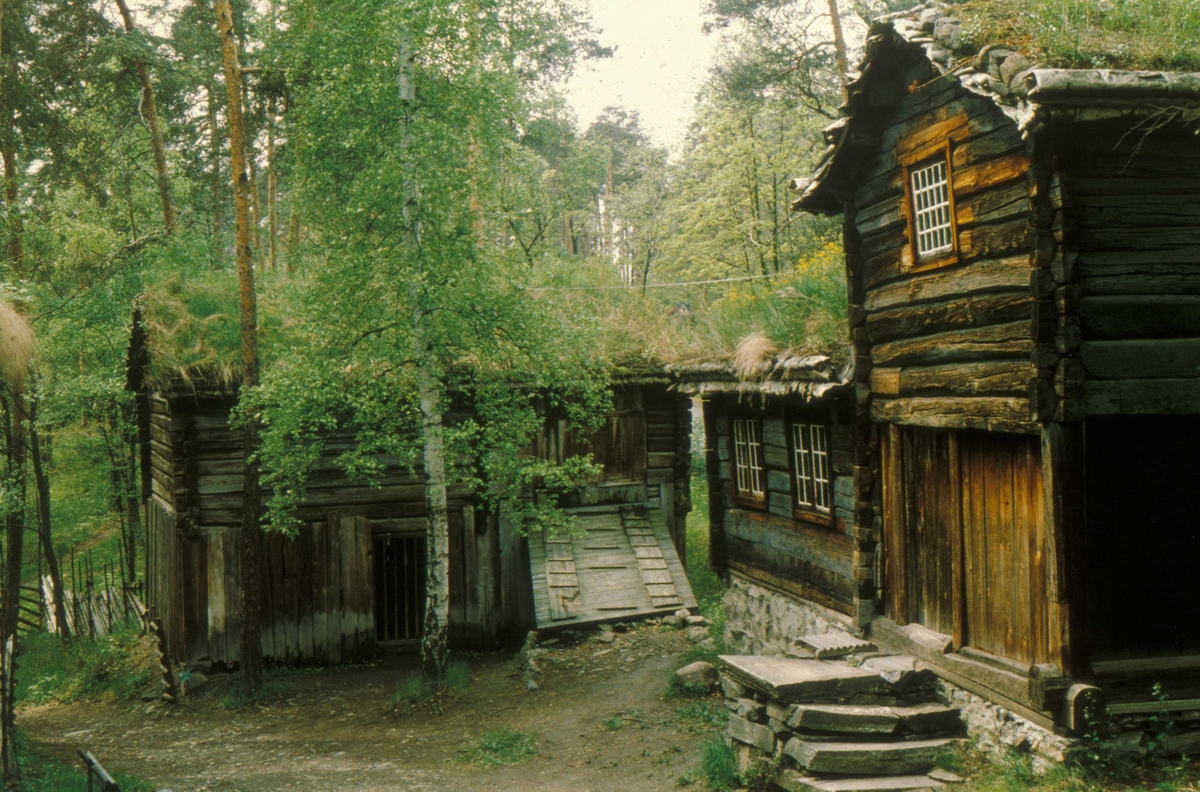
(932, 225)
(810, 447)
(747, 457)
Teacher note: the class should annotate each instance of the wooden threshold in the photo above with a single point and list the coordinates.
(992, 680)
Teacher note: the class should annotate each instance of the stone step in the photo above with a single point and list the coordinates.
(793, 781)
(860, 759)
(836, 644)
(879, 720)
(791, 681)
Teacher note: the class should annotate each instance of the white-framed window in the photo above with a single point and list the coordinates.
(810, 447)
(933, 228)
(747, 457)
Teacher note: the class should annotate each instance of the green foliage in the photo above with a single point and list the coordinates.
(500, 748)
(706, 586)
(40, 773)
(418, 688)
(1118, 34)
(119, 666)
(678, 689)
(719, 765)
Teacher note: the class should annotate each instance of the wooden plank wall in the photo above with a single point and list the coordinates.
(319, 583)
(1131, 226)
(826, 564)
(951, 346)
(965, 539)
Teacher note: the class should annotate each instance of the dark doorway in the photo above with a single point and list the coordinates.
(1143, 535)
(399, 588)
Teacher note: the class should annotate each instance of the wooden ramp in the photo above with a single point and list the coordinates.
(624, 566)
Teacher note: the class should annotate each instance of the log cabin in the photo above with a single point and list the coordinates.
(352, 578)
(1022, 250)
(783, 453)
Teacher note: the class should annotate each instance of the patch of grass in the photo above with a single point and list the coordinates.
(760, 774)
(678, 689)
(418, 688)
(624, 718)
(705, 584)
(1120, 34)
(701, 716)
(500, 748)
(719, 765)
(43, 774)
(614, 723)
(118, 666)
(457, 679)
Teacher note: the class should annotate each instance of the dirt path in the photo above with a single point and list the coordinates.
(336, 729)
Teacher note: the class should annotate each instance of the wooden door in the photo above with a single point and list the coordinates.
(964, 539)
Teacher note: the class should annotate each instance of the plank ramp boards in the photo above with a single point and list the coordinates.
(872, 727)
(623, 565)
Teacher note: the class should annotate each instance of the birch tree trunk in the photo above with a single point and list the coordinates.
(839, 47)
(251, 547)
(150, 116)
(272, 189)
(434, 634)
(214, 157)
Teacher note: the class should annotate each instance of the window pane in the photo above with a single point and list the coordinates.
(931, 206)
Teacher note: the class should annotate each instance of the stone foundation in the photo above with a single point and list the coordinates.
(762, 621)
(997, 731)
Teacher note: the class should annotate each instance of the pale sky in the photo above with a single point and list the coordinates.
(661, 59)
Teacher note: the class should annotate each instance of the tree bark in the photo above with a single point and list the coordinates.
(252, 541)
(16, 428)
(839, 47)
(214, 157)
(434, 636)
(42, 481)
(150, 116)
(272, 189)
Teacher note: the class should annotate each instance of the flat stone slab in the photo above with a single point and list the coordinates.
(752, 734)
(873, 784)
(843, 718)
(797, 681)
(930, 718)
(900, 671)
(836, 644)
(859, 759)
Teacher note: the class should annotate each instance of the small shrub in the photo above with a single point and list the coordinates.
(614, 723)
(500, 748)
(719, 765)
(414, 689)
(457, 678)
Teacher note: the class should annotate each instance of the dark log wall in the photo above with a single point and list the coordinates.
(950, 346)
(829, 564)
(1131, 205)
(318, 597)
(318, 600)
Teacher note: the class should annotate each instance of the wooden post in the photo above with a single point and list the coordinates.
(895, 528)
(1062, 481)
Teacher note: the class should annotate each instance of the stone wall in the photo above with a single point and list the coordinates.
(762, 621)
(997, 730)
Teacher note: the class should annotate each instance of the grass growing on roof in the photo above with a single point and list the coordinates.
(1081, 34)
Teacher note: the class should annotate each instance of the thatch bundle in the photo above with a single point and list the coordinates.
(16, 348)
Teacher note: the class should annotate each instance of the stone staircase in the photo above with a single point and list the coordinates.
(868, 724)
